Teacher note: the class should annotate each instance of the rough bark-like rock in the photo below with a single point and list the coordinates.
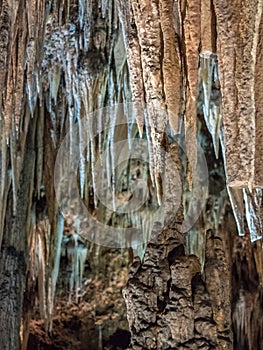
(59, 62)
(13, 258)
(239, 47)
(170, 305)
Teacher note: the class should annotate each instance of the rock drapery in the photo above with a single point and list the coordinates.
(60, 62)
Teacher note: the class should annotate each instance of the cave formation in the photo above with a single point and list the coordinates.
(131, 151)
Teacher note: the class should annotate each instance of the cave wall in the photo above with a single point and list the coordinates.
(190, 68)
(219, 50)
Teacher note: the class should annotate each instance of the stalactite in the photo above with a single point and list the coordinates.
(247, 319)
(171, 63)
(146, 18)
(14, 176)
(237, 203)
(55, 271)
(245, 204)
(5, 177)
(253, 205)
(111, 145)
(100, 346)
(209, 80)
(136, 82)
(71, 61)
(150, 150)
(70, 78)
(39, 255)
(18, 70)
(238, 84)
(76, 253)
(81, 149)
(258, 94)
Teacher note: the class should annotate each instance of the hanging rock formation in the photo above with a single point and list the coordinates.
(186, 77)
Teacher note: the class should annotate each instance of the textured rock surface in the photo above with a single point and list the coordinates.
(59, 61)
(239, 36)
(232, 31)
(170, 305)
